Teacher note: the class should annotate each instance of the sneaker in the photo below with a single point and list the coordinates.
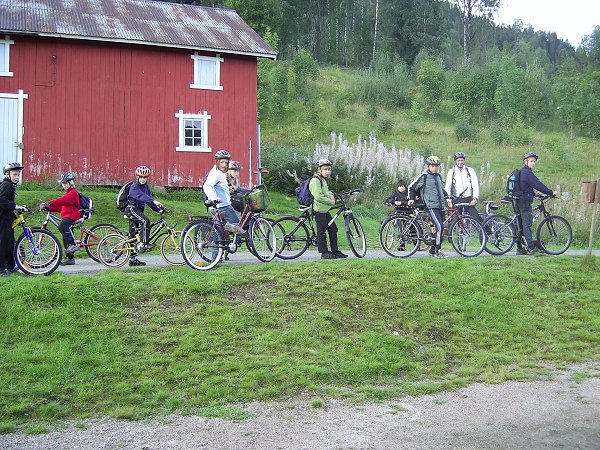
(136, 262)
(521, 251)
(339, 254)
(440, 254)
(148, 247)
(13, 270)
(68, 262)
(71, 248)
(431, 252)
(532, 251)
(328, 255)
(3, 273)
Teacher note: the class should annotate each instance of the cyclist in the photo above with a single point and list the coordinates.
(12, 175)
(236, 192)
(216, 189)
(68, 205)
(462, 184)
(139, 196)
(399, 199)
(429, 186)
(528, 182)
(323, 200)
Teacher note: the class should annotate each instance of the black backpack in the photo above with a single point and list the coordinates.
(513, 184)
(122, 197)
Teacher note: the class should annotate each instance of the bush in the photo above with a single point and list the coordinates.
(372, 112)
(288, 166)
(499, 133)
(521, 135)
(385, 126)
(464, 130)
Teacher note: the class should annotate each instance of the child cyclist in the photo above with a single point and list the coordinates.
(430, 187)
(68, 205)
(12, 175)
(139, 196)
(399, 198)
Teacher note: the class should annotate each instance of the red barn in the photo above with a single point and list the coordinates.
(99, 87)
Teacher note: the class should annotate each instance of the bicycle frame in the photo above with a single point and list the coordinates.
(55, 220)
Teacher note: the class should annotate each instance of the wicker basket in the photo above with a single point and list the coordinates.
(258, 199)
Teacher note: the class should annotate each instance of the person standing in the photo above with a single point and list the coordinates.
(462, 184)
(12, 175)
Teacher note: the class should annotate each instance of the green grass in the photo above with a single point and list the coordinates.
(136, 344)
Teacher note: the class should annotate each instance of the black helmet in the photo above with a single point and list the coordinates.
(401, 183)
(459, 155)
(12, 166)
(65, 177)
(323, 162)
(222, 154)
(530, 155)
(433, 161)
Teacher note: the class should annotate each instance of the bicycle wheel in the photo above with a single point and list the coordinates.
(554, 235)
(356, 236)
(201, 248)
(292, 237)
(93, 235)
(37, 252)
(467, 236)
(261, 239)
(500, 233)
(170, 249)
(399, 238)
(114, 250)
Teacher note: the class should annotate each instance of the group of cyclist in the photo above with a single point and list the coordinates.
(428, 190)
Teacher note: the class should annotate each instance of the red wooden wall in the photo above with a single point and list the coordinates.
(101, 109)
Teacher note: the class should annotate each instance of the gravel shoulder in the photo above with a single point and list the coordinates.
(560, 413)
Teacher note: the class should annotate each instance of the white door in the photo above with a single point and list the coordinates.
(11, 127)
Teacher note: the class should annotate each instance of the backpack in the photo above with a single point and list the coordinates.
(303, 195)
(86, 206)
(513, 185)
(122, 197)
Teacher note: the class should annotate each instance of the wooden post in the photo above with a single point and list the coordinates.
(596, 204)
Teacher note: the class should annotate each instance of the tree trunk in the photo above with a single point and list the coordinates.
(375, 34)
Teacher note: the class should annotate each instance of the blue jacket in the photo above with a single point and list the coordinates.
(139, 196)
(528, 182)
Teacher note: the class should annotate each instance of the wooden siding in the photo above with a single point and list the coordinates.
(101, 109)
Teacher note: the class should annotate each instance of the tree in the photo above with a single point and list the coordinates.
(470, 10)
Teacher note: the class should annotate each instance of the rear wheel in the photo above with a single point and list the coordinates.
(93, 236)
(170, 249)
(200, 245)
(261, 239)
(292, 237)
(114, 250)
(399, 238)
(37, 252)
(467, 236)
(356, 236)
(554, 235)
(500, 233)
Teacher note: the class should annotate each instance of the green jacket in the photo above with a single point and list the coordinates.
(320, 192)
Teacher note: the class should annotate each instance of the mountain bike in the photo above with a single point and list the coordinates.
(37, 251)
(88, 237)
(401, 234)
(206, 241)
(553, 235)
(296, 234)
(114, 250)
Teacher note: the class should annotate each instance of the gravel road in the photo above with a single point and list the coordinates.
(561, 413)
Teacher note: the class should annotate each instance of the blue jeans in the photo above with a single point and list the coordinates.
(229, 215)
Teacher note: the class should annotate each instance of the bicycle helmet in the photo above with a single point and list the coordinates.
(433, 161)
(12, 166)
(323, 162)
(530, 155)
(142, 171)
(222, 154)
(234, 165)
(66, 177)
(459, 155)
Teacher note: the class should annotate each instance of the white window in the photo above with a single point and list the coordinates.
(207, 72)
(193, 132)
(5, 57)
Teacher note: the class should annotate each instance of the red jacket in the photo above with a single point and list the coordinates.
(68, 205)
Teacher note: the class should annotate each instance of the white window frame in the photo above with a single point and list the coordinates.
(7, 42)
(217, 60)
(204, 117)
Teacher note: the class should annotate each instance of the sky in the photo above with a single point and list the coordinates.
(570, 19)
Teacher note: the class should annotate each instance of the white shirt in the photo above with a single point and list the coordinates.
(466, 183)
(216, 186)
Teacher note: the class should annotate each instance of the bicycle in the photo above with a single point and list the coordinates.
(37, 251)
(401, 234)
(553, 235)
(294, 237)
(114, 250)
(88, 238)
(206, 241)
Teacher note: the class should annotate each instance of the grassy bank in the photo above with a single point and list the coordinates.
(133, 344)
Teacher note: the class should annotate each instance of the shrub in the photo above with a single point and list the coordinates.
(521, 135)
(372, 112)
(464, 130)
(499, 133)
(385, 126)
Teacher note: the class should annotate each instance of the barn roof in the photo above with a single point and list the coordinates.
(135, 21)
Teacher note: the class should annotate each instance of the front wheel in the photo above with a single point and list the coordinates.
(37, 252)
(94, 235)
(261, 239)
(500, 233)
(170, 249)
(554, 235)
(467, 236)
(292, 237)
(399, 237)
(114, 250)
(201, 245)
(356, 236)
